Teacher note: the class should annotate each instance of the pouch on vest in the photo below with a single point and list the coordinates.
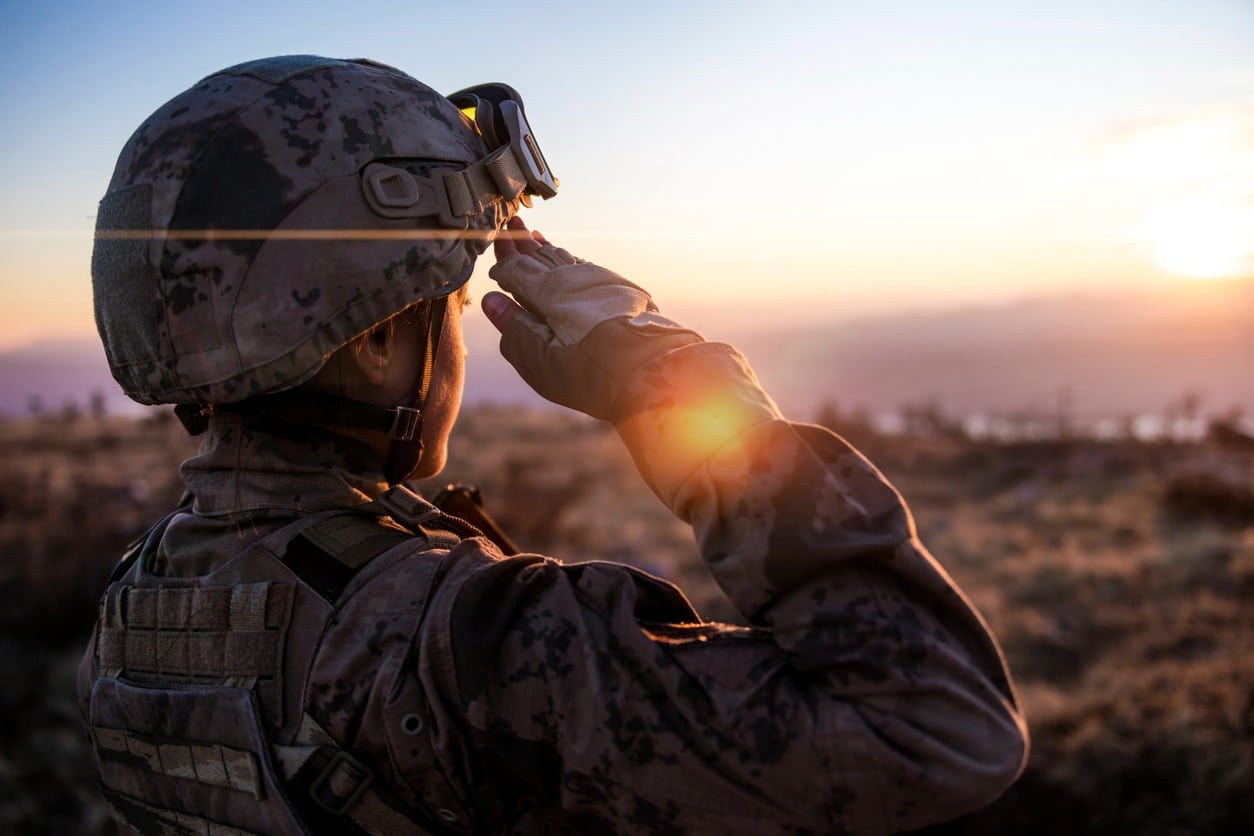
(187, 760)
(190, 690)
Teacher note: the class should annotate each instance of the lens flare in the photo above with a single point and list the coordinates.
(706, 430)
(295, 234)
(265, 234)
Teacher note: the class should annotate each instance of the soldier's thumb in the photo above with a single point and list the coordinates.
(525, 339)
(500, 309)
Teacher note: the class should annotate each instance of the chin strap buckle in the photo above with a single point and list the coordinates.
(406, 423)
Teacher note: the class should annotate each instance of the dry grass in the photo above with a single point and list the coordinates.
(1118, 587)
(72, 494)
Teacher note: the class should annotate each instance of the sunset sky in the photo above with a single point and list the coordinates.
(810, 160)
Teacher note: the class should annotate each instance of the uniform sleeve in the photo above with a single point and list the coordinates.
(867, 696)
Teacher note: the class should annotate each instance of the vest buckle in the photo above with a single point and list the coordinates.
(340, 783)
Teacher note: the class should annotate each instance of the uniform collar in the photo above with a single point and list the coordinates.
(247, 463)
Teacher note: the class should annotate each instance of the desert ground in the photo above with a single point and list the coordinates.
(1118, 575)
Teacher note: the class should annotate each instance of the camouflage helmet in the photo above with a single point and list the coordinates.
(277, 209)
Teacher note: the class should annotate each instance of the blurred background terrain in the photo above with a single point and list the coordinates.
(1014, 241)
(1116, 571)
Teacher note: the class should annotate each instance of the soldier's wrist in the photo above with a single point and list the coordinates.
(682, 408)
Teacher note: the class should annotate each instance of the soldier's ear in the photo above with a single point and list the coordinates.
(372, 353)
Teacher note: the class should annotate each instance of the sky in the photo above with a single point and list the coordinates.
(804, 161)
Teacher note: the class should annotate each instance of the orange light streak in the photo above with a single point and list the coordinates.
(270, 234)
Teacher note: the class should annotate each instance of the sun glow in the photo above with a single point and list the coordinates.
(1193, 177)
(1201, 239)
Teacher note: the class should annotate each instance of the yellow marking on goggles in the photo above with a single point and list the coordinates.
(470, 112)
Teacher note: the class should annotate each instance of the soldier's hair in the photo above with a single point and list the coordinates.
(330, 379)
(417, 311)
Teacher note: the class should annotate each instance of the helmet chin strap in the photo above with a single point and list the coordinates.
(405, 453)
(402, 424)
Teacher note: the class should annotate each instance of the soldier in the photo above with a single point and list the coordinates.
(307, 645)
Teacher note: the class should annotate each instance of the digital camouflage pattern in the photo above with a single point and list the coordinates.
(488, 694)
(525, 695)
(235, 245)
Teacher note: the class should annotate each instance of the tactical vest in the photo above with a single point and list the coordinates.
(191, 722)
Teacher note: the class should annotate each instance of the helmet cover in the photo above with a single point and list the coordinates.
(236, 247)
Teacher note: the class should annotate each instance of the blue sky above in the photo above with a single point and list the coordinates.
(865, 156)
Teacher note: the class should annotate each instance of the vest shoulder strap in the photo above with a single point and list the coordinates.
(329, 551)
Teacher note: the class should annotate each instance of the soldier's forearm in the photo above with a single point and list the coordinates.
(812, 543)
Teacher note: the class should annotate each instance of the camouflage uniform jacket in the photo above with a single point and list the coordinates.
(526, 695)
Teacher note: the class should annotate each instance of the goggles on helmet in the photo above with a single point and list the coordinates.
(483, 195)
(498, 114)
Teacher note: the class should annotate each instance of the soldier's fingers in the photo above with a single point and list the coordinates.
(504, 247)
(514, 240)
(524, 239)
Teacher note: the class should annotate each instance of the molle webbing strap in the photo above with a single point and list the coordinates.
(186, 759)
(206, 763)
(147, 818)
(199, 635)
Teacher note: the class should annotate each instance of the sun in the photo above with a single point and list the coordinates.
(1201, 239)
(1190, 177)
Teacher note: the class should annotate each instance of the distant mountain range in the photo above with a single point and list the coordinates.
(1099, 355)
(52, 375)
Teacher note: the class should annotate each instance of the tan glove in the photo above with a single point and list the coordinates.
(584, 330)
(589, 339)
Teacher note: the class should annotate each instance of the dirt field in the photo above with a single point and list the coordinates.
(1118, 576)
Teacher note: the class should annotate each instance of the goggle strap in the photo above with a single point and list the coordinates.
(479, 185)
(485, 121)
